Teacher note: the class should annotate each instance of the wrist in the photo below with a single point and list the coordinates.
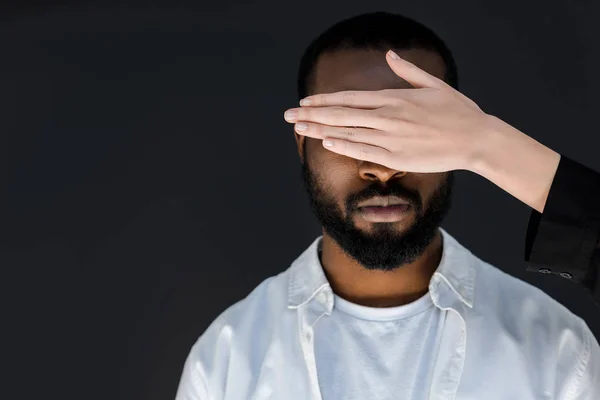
(515, 162)
(492, 137)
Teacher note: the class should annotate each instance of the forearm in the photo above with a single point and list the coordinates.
(516, 163)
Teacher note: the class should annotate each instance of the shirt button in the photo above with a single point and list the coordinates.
(566, 275)
(322, 297)
(545, 271)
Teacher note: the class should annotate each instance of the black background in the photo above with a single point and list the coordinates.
(152, 181)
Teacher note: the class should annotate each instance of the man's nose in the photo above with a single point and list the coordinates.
(371, 172)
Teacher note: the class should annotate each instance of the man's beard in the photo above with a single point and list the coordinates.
(384, 248)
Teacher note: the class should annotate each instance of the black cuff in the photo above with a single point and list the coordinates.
(563, 239)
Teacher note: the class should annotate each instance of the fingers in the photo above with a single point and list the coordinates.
(351, 133)
(347, 98)
(358, 151)
(337, 116)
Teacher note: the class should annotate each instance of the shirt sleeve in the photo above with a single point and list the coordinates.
(193, 382)
(564, 239)
(585, 382)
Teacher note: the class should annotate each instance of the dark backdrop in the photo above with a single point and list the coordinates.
(153, 181)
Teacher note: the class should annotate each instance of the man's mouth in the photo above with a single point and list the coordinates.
(391, 213)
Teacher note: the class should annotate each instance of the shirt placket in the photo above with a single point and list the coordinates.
(307, 318)
(449, 366)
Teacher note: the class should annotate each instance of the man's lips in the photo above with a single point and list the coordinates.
(384, 201)
(384, 214)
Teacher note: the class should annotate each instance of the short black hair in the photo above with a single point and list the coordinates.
(373, 31)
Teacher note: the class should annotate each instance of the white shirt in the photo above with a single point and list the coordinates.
(395, 346)
(496, 338)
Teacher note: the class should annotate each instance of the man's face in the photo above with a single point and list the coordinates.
(337, 184)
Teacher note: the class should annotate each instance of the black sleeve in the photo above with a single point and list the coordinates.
(564, 239)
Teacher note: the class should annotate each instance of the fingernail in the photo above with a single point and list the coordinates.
(328, 143)
(305, 102)
(301, 126)
(394, 55)
(290, 115)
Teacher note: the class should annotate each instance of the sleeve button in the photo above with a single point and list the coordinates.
(545, 271)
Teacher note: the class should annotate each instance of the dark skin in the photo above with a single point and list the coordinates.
(353, 249)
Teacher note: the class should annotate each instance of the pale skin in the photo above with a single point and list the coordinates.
(427, 129)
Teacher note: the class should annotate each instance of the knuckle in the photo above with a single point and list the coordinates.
(350, 132)
(307, 114)
(323, 100)
(317, 128)
(349, 97)
(340, 112)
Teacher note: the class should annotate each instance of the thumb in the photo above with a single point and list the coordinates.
(412, 74)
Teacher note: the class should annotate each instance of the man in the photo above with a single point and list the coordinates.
(386, 304)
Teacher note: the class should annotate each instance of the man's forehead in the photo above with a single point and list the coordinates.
(368, 70)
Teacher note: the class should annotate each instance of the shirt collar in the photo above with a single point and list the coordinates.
(456, 271)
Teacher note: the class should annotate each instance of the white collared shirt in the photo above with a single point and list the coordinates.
(501, 338)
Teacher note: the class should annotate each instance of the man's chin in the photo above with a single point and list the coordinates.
(381, 238)
(396, 229)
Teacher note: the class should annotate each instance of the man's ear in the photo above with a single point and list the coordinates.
(300, 139)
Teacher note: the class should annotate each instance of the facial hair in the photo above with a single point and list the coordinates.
(384, 248)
